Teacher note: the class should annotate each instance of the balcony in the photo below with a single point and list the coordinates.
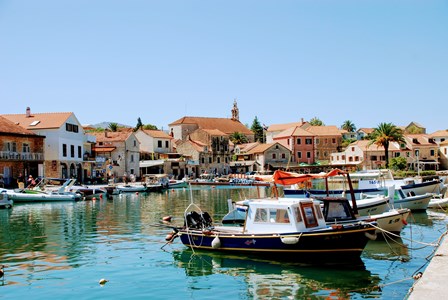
(27, 156)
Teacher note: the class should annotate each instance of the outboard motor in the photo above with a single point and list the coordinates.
(195, 220)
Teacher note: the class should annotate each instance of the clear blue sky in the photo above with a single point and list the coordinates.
(364, 61)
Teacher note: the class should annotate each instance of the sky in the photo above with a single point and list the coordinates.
(368, 62)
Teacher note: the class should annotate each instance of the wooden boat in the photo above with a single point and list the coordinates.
(411, 201)
(278, 227)
(274, 227)
(5, 202)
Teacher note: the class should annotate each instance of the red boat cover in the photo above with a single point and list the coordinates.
(289, 178)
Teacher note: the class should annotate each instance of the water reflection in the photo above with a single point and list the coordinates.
(274, 279)
(388, 248)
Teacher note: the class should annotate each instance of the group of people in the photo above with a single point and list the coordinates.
(21, 181)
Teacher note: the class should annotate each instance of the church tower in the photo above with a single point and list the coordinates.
(235, 112)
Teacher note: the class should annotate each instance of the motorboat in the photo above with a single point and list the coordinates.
(46, 190)
(410, 200)
(277, 227)
(438, 202)
(295, 228)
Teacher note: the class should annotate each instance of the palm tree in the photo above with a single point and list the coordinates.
(238, 138)
(383, 135)
(113, 127)
(349, 126)
(316, 122)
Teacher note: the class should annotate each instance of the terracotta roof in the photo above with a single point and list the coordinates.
(112, 136)
(324, 130)
(247, 146)
(6, 126)
(214, 132)
(422, 139)
(41, 120)
(281, 127)
(261, 148)
(227, 126)
(157, 134)
(293, 131)
(439, 133)
(366, 130)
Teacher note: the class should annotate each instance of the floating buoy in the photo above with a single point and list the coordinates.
(418, 275)
(213, 186)
(172, 190)
(216, 243)
(167, 218)
(169, 237)
(93, 198)
(101, 196)
(136, 193)
(103, 281)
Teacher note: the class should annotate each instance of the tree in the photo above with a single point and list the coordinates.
(113, 127)
(150, 127)
(316, 122)
(398, 163)
(238, 138)
(257, 129)
(139, 124)
(349, 126)
(383, 135)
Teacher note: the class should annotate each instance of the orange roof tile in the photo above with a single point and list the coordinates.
(41, 120)
(157, 133)
(8, 127)
(261, 148)
(111, 136)
(293, 131)
(227, 126)
(281, 127)
(324, 130)
(440, 133)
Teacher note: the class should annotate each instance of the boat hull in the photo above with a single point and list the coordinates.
(40, 197)
(348, 241)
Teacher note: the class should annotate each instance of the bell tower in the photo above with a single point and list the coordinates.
(235, 111)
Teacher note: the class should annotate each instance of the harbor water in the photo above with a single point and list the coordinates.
(62, 250)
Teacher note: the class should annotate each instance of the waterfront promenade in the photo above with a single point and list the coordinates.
(432, 284)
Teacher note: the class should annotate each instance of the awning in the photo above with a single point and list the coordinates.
(104, 149)
(151, 163)
(242, 163)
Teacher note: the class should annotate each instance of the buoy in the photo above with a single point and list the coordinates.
(103, 281)
(136, 193)
(169, 237)
(213, 186)
(172, 190)
(101, 196)
(216, 243)
(167, 218)
(93, 198)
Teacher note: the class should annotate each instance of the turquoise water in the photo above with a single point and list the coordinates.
(62, 250)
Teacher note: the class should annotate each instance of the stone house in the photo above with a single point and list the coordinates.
(274, 129)
(328, 139)
(270, 157)
(22, 151)
(300, 142)
(65, 142)
(117, 154)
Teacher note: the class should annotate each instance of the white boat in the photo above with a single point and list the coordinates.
(411, 201)
(438, 202)
(5, 202)
(46, 192)
(131, 188)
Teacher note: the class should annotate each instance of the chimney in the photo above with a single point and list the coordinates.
(28, 112)
(302, 120)
(105, 132)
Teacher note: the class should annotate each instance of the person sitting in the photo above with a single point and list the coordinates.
(31, 182)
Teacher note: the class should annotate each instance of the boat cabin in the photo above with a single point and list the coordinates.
(274, 216)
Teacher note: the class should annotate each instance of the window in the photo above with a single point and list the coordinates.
(298, 215)
(167, 144)
(281, 216)
(432, 152)
(283, 155)
(79, 152)
(397, 154)
(26, 148)
(299, 154)
(274, 156)
(203, 160)
(71, 127)
(159, 144)
(218, 160)
(317, 141)
(333, 141)
(209, 160)
(261, 215)
(299, 141)
(132, 157)
(135, 143)
(72, 150)
(308, 154)
(308, 212)
(356, 158)
(64, 150)
(308, 141)
(374, 158)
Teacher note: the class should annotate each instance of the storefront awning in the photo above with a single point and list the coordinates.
(151, 163)
(104, 149)
(242, 163)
